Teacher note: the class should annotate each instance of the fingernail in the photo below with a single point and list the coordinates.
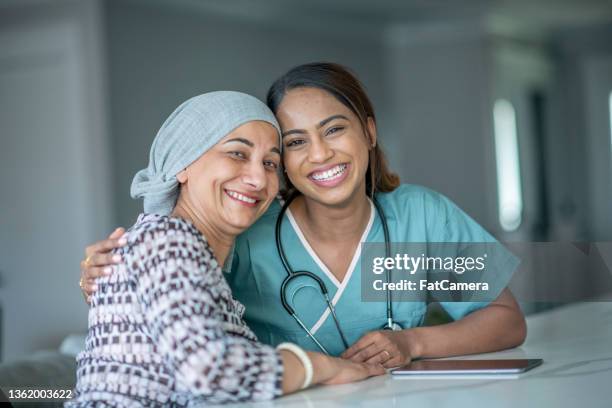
(122, 240)
(116, 258)
(94, 287)
(107, 270)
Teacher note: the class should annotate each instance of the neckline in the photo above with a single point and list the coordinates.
(317, 259)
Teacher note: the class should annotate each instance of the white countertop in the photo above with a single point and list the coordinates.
(575, 342)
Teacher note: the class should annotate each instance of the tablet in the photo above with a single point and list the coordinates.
(467, 367)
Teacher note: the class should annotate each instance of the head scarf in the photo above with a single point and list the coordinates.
(193, 128)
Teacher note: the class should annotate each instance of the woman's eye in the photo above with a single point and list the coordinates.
(334, 129)
(237, 155)
(271, 164)
(295, 142)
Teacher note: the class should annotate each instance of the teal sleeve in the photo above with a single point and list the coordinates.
(461, 228)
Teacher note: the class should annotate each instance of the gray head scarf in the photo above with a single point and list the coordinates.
(193, 128)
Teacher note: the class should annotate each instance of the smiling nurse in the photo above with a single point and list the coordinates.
(338, 189)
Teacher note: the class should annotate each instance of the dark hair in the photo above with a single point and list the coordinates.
(346, 88)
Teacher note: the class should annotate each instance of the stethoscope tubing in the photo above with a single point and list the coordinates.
(291, 274)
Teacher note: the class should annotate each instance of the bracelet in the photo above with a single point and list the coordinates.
(304, 359)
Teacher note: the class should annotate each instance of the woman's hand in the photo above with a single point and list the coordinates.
(386, 347)
(342, 371)
(97, 262)
(326, 370)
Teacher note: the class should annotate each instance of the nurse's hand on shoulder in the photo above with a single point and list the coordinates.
(386, 347)
(97, 262)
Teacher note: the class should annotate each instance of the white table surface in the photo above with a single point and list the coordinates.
(575, 342)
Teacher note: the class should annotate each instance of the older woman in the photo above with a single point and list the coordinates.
(164, 328)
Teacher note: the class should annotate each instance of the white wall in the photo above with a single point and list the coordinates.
(580, 56)
(438, 82)
(54, 168)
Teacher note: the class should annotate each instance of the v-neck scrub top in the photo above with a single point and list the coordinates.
(413, 213)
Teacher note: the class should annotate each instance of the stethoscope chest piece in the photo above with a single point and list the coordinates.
(393, 326)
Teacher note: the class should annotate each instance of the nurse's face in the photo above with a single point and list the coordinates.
(325, 147)
(233, 183)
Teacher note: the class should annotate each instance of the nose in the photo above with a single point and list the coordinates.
(319, 151)
(254, 174)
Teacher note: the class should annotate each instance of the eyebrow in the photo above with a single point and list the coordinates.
(319, 125)
(240, 140)
(249, 143)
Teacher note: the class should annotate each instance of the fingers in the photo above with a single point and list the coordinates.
(387, 360)
(106, 245)
(117, 233)
(94, 272)
(395, 361)
(376, 369)
(89, 287)
(362, 343)
(370, 352)
(100, 260)
(371, 370)
(390, 356)
(363, 350)
(87, 298)
(379, 358)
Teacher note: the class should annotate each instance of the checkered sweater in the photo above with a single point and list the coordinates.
(164, 329)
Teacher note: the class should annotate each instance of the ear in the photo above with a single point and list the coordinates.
(372, 131)
(181, 176)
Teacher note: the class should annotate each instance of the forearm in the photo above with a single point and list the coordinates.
(495, 327)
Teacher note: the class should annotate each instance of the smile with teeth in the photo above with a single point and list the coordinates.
(240, 197)
(330, 174)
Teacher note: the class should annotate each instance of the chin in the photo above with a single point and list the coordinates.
(333, 199)
(241, 223)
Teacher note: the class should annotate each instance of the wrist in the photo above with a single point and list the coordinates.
(322, 367)
(304, 360)
(414, 342)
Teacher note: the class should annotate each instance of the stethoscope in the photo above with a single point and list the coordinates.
(291, 275)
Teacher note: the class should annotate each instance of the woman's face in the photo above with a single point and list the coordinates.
(233, 183)
(325, 147)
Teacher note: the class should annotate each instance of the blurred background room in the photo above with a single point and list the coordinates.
(502, 105)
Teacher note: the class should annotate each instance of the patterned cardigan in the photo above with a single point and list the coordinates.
(165, 330)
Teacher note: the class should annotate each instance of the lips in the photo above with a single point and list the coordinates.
(331, 175)
(242, 198)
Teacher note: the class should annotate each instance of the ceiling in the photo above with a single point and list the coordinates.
(369, 17)
(543, 14)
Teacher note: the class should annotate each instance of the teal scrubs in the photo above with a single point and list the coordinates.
(255, 274)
